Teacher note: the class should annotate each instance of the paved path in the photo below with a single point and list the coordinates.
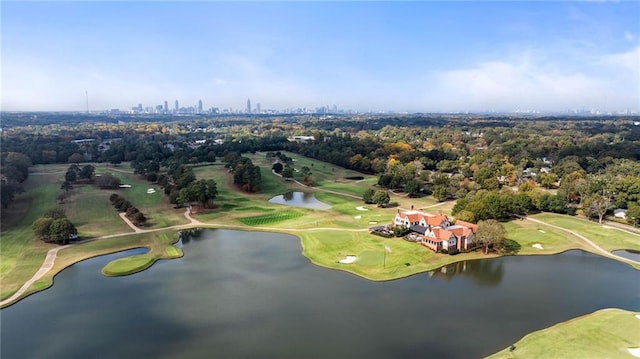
(46, 267)
(130, 224)
(596, 247)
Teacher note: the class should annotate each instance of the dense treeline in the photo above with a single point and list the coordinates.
(586, 164)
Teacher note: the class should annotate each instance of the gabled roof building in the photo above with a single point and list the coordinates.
(436, 231)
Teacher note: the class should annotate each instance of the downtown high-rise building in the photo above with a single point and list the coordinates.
(166, 106)
(248, 105)
(176, 108)
(199, 106)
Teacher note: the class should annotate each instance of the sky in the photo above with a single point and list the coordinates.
(427, 56)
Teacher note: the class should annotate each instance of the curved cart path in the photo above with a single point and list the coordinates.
(598, 249)
(46, 267)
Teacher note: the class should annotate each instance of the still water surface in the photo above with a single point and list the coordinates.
(253, 295)
(300, 199)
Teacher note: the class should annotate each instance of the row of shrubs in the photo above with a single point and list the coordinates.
(123, 205)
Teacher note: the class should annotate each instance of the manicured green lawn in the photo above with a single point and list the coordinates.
(128, 265)
(271, 218)
(528, 233)
(608, 238)
(607, 333)
(90, 211)
(155, 206)
(22, 254)
(327, 247)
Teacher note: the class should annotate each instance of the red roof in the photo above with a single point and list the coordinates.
(473, 227)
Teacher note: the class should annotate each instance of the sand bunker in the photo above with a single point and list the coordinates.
(635, 352)
(348, 260)
(357, 217)
(373, 222)
(361, 208)
(125, 186)
(151, 190)
(638, 316)
(537, 246)
(541, 231)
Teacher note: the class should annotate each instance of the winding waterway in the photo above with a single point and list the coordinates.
(253, 295)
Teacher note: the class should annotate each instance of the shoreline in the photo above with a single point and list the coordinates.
(26, 291)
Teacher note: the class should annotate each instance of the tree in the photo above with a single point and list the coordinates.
(62, 230)
(277, 167)
(305, 170)
(8, 192)
(412, 188)
(633, 214)
(87, 171)
(381, 198)
(202, 191)
(596, 206)
(490, 233)
(41, 227)
(287, 173)
(548, 180)
(440, 193)
(70, 176)
(107, 181)
(138, 218)
(367, 197)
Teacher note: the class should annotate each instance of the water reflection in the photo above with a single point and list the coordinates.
(484, 272)
(299, 199)
(252, 295)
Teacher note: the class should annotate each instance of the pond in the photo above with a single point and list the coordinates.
(299, 199)
(629, 254)
(253, 295)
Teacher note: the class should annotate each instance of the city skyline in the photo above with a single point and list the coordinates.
(373, 56)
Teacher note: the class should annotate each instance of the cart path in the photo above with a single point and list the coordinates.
(599, 249)
(46, 267)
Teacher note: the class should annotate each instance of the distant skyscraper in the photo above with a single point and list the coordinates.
(166, 106)
(177, 107)
(258, 108)
(248, 105)
(200, 106)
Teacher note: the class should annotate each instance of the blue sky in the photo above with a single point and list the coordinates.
(377, 56)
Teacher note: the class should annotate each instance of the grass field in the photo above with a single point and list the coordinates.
(607, 333)
(267, 219)
(606, 237)
(22, 254)
(155, 206)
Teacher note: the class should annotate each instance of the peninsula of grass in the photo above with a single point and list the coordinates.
(161, 247)
(129, 265)
(607, 333)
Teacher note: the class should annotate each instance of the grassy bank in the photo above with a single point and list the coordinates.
(607, 333)
(161, 246)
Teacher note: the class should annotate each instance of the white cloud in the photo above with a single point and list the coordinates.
(528, 83)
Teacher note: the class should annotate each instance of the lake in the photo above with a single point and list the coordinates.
(253, 295)
(299, 199)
